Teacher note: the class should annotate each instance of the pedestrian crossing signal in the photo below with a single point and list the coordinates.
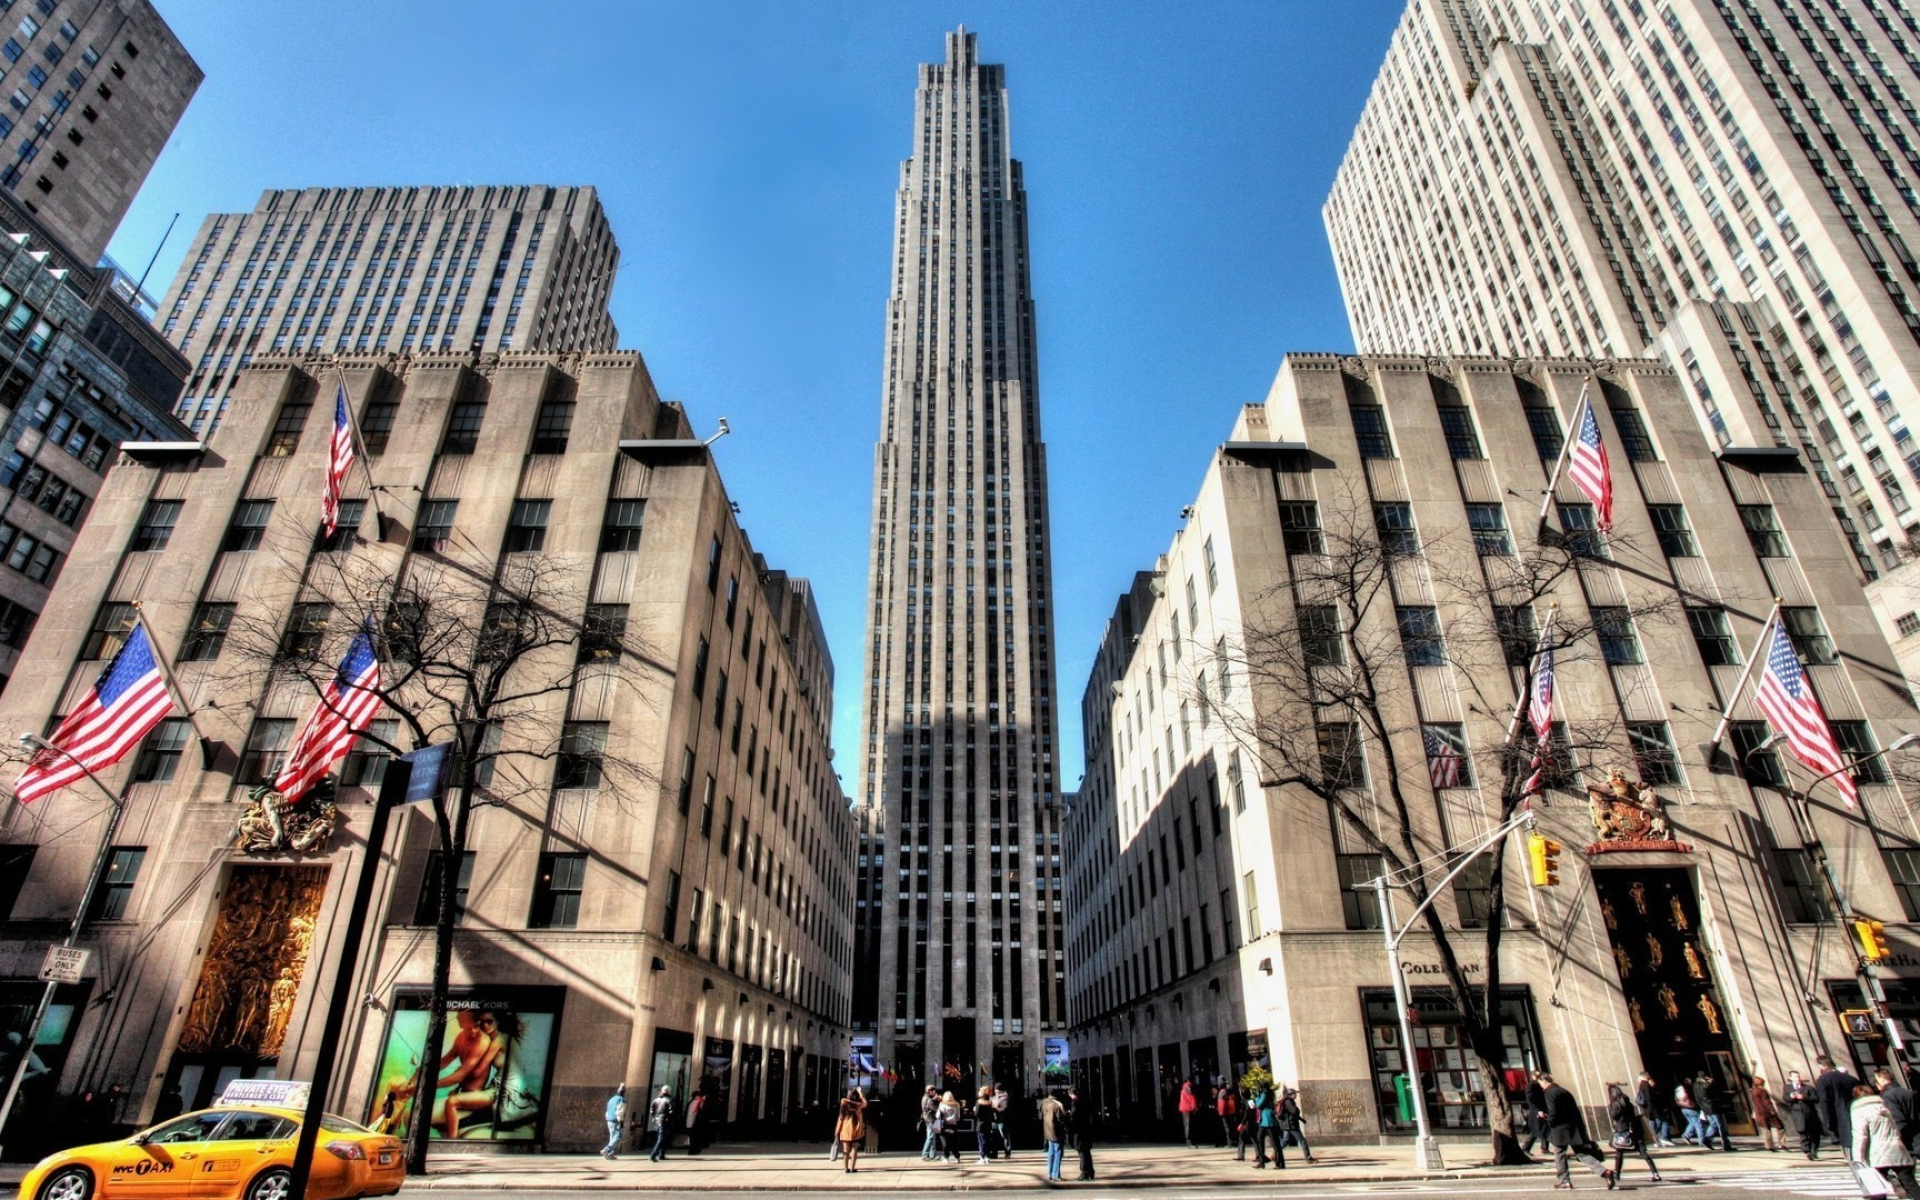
(1543, 860)
(1873, 940)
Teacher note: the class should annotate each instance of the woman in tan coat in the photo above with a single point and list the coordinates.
(851, 1130)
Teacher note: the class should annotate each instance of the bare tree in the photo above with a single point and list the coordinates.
(1328, 660)
(480, 660)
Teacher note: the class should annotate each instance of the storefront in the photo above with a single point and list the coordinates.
(1449, 1074)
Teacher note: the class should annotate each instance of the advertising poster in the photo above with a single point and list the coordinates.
(1057, 1065)
(491, 1071)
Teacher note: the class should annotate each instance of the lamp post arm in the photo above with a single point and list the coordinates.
(1486, 843)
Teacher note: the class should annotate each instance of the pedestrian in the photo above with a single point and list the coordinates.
(851, 1129)
(1226, 1106)
(1267, 1130)
(1876, 1140)
(1835, 1088)
(1002, 1144)
(1710, 1123)
(1084, 1120)
(697, 1123)
(1053, 1131)
(1900, 1106)
(1690, 1109)
(1653, 1109)
(1536, 1113)
(983, 1121)
(1802, 1102)
(616, 1121)
(930, 1123)
(1293, 1123)
(1626, 1131)
(1188, 1105)
(1567, 1134)
(660, 1123)
(948, 1116)
(1766, 1115)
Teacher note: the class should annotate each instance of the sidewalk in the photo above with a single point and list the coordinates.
(790, 1167)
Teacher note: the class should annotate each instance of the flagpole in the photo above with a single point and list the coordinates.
(1566, 446)
(360, 453)
(173, 684)
(1746, 672)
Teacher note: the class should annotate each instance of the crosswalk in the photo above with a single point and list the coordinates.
(1836, 1181)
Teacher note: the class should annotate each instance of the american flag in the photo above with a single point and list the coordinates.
(1540, 713)
(128, 699)
(339, 462)
(1443, 758)
(1587, 466)
(1794, 711)
(344, 710)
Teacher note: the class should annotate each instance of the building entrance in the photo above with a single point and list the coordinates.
(1652, 917)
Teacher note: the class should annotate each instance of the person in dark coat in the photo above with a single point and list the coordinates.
(1536, 1114)
(1835, 1088)
(1567, 1134)
(1900, 1106)
(1802, 1105)
(1084, 1120)
(1711, 1123)
(1625, 1120)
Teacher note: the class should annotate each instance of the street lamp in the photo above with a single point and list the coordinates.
(100, 859)
(1800, 804)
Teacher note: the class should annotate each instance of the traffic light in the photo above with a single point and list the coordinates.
(1543, 860)
(1873, 940)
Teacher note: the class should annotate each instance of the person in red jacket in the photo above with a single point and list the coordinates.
(1189, 1104)
(1227, 1107)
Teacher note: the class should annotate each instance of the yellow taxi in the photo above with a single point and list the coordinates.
(233, 1152)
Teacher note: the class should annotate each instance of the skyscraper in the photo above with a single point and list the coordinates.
(1734, 184)
(959, 901)
(390, 269)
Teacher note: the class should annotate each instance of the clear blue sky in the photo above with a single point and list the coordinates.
(1176, 159)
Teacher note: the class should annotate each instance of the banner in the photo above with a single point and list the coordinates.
(493, 1068)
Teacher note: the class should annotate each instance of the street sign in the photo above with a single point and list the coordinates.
(65, 964)
(428, 779)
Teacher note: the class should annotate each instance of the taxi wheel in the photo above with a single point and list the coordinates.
(73, 1183)
(276, 1184)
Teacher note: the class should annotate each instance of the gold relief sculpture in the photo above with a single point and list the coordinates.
(1711, 1013)
(272, 825)
(1625, 964)
(1656, 957)
(1639, 893)
(1639, 1021)
(1606, 914)
(1668, 1004)
(1679, 913)
(261, 940)
(1694, 966)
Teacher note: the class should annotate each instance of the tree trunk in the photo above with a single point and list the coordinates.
(453, 844)
(1505, 1149)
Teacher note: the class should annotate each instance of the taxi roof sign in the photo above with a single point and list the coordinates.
(276, 1093)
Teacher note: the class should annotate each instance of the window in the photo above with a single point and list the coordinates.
(527, 526)
(27, 554)
(1473, 893)
(1359, 902)
(1713, 636)
(285, 438)
(1518, 632)
(156, 525)
(1763, 530)
(111, 625)
(1760, 768)
(1300, 527)
(463, 428)
(1446, 748)
(713, 565)
(1809, 636)
(1652, 746)
(670, 913)
(249, 526)
(622, 528)
(160, 753)
(15, 862)
(556, 891)
(1632, 430)
(434, 528)
(1903, 867)
(1370, 431)
(1253, 906)
(344, 529)
(207, 635)
(1320, 644)
(1613, 627)
(1908, 625)
(1582, 531)
(1544, 424)
(305, 632)
(603, 632)
(1342, 765)
(427, 910)
(700, 667)
(266, 750)
(552, 427)
(1463, 441)
(1420, 636)
(1670, 526)
(376, 425)
(116, 886)
(733, 598)
(583, 745)
(1801, 900)
(1855, 739)
(1488, 522)
(365, 766)
(16, 622)
(1394, 524)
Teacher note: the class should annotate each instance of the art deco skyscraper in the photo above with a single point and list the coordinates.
(961, 943)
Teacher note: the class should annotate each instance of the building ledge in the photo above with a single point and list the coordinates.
(1757, 454)
(162, 451)
(1256, 449)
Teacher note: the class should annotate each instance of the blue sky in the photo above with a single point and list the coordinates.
(1176, 159)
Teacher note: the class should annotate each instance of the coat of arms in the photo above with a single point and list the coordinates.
(272, 824)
